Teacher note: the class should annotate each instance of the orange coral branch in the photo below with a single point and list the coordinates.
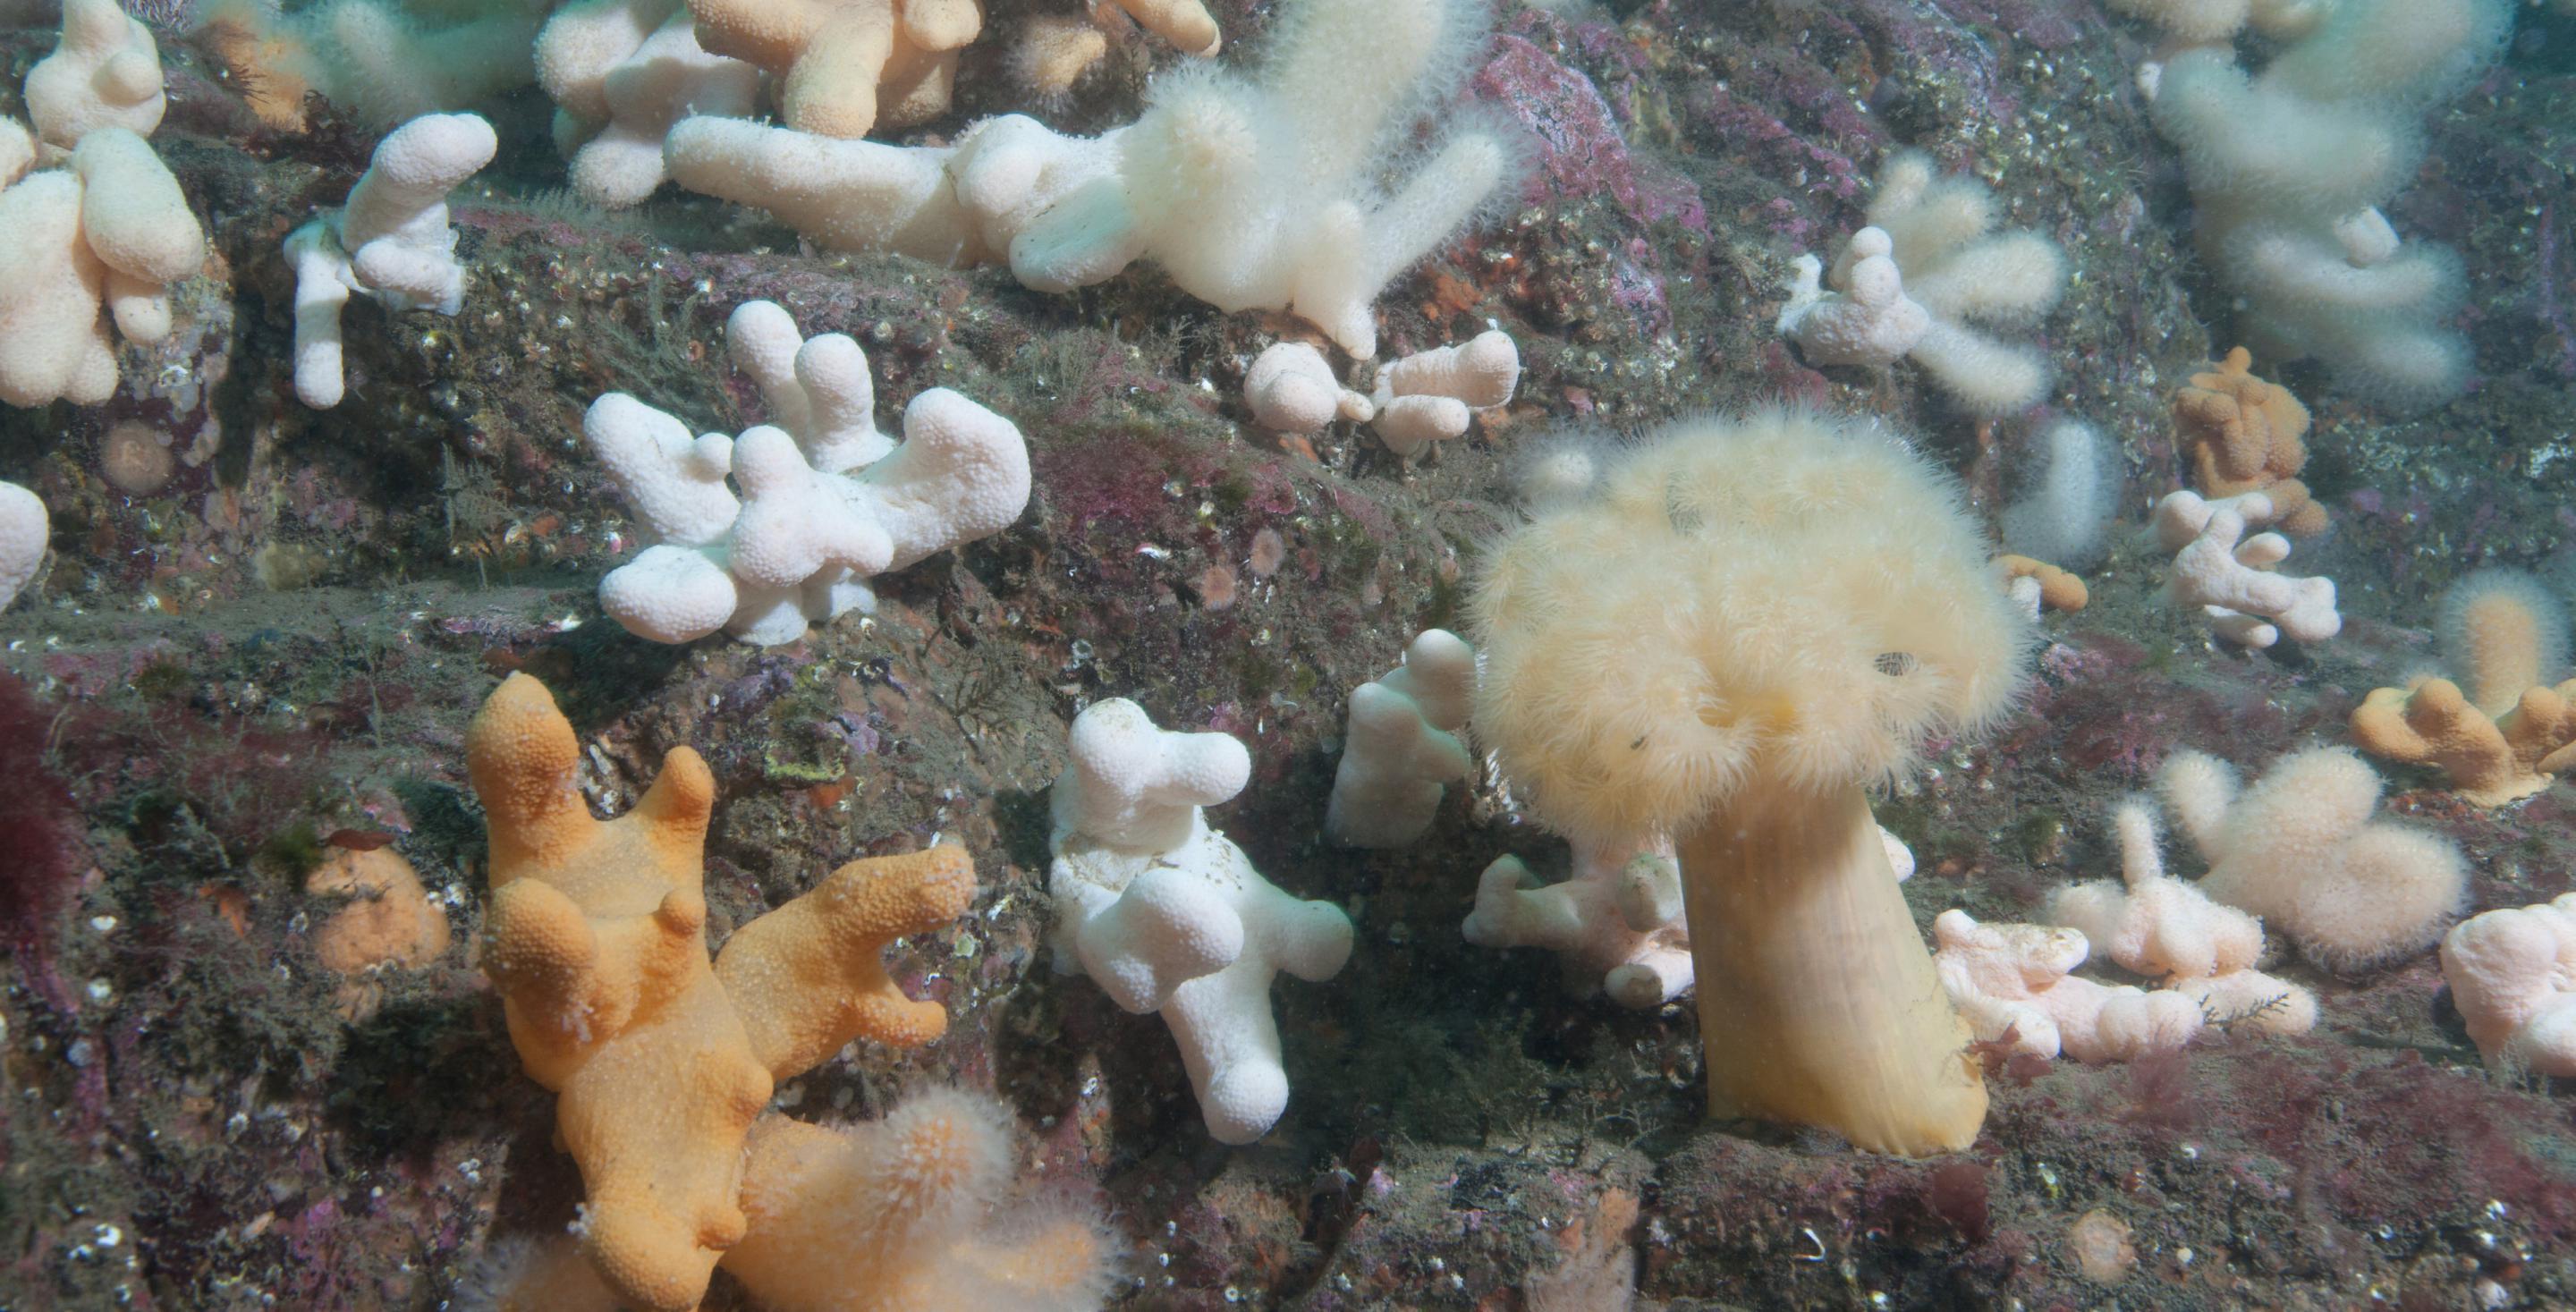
(596, 941)
(2246, 435)
(826, 944)
(2058, 588)
(2490, 761)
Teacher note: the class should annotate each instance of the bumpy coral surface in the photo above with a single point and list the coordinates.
(660, 1056)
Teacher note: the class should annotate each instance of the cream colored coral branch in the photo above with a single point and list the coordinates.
(847, 66)
(2229, 577)
(1914, 280)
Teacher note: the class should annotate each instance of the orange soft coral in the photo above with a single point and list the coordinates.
(2506, 725)
(2491, 761)
(847, 66)
(2055, 588)
(2247, 435)
(388, 924)
(662, 1058)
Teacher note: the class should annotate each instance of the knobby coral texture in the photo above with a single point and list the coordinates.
(1329, 654)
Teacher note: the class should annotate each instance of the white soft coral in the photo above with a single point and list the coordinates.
(1400, 746)
(1616, 925)
(24, 529)
(2288, 167)
(1251, 193)
(106, 72)
(2301, 848)
(1911, 282)
(390, 242)
(2160, 927)
(2229, 577)
(1170, 917)
(826, 500)
(621, 73)
(2512, 973)
(97, 241)
(2015, 983)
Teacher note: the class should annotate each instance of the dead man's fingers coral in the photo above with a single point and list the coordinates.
(107, 232)
(817, 389)
(827, 501)
(2036, 583)
(106, 72)
(808, 977)
(1163, 929)
(845, 195)
(1139, 787)
(608, 919)
(1431, 396)
(2490, 762)
(619, 160)
(2063, 508)
(914, 1213)
(24, 529)
(846, 65)
(2513, 974)
(1291, 389)
(1616, 924)
(2301, 849)
(1265, 193)
(1184, 23)
(2502, 730)
(1168, 915)
(390, 241)
(2017, 980)
(1912, 282)
(2502, 633)
(1401, 745)
(2289, 165)
(2228, 575)
(661, 1059)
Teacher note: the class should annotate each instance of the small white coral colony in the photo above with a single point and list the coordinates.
(390, 241)
(1166, 915)
(2164, 929)
(1400, 745)
(1430, 396)
(827, 501)
(2508, 726)
(2016, 981)
(24, 528)
(1251, 193)
(1290, 388)
(1911, 282)
(2289, 166)
(1423, 398)
(2300, 849)
(621, 73)
(1617, 925)
(2230, 578)
(2512, 974)
(100, 238)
